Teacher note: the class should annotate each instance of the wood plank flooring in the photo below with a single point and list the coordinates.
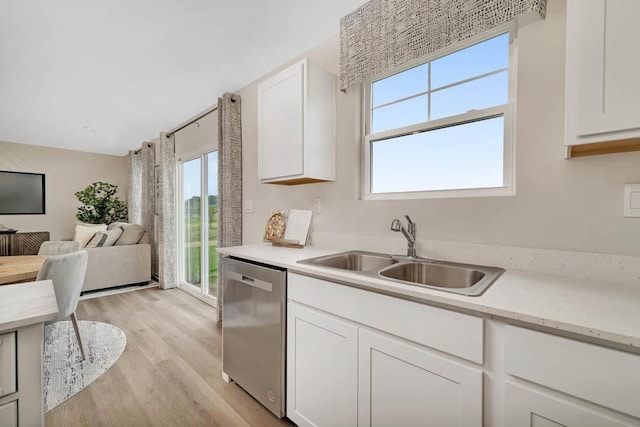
(170, 372)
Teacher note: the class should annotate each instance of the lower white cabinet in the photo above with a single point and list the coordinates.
(9, 414)
(321, 368)
(527, 407)
(7, 363)
(406, 385)
(342, 374)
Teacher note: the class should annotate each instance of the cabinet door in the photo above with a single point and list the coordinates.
(602, 40)
(9, 414)
(531, 408)
(281, 123)
(7, 364)
(402, 384)
(321, 368)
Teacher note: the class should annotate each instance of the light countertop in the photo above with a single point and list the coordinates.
(602, 310)
(24, 304)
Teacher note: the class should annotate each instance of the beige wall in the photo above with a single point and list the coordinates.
(66, 172)
(201, 135)
(560, 204)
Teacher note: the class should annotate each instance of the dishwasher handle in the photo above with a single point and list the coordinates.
(251, 281)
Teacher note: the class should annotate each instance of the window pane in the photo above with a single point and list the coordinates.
(490, 55)
(403, 113)
(464, 156)
(476, 94)
(212, 219)
(191, 190)
(401, 85)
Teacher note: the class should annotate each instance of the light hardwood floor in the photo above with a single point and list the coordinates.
(169, 373)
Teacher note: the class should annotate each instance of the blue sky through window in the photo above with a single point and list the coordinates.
(191, 176)
(467, 155)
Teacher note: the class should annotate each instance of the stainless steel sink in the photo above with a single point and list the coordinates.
(466, 279)
(354, 261)
(452, 277)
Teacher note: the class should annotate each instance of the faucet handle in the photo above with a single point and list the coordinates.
(408, 219)
(395, 225)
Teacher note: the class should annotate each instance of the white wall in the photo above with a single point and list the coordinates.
(66, 172)
(201, 135)
(562, 204)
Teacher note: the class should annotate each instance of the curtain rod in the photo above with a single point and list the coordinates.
(192, 120)
(148, 144)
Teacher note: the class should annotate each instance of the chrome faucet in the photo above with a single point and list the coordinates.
(409, 233)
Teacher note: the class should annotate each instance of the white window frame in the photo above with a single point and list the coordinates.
(507, 111)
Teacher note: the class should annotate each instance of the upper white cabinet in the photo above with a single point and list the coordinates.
(602, 69)
(296, 125)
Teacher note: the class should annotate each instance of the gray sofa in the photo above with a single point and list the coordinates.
(112, 266)
(125, 260)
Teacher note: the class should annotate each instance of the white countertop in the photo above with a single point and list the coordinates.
(591, 308)
(24, 304)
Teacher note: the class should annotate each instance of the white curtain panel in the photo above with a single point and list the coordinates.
(134, 191)
(166, 209)
(148, 199)
(382, 35)
(229, 179)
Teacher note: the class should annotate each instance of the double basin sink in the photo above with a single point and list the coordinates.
(466, 279)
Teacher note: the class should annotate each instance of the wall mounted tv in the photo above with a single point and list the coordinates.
(21, 193)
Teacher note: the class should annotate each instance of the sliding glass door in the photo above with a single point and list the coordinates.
(198, 223)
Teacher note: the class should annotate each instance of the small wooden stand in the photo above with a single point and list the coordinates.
(287, 243)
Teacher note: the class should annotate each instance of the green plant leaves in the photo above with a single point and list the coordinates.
(100, 205)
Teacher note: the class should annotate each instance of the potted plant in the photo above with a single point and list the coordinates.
(100, 205)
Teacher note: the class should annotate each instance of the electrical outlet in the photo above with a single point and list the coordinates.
(247, 207)
(316, 206)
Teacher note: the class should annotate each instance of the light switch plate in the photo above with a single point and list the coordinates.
(632, 200)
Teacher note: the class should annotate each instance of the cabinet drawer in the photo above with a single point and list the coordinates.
(7, 364)
(448, 331)
(607, 377)
(9, 414)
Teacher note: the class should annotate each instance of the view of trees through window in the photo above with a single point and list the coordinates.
(194, 219)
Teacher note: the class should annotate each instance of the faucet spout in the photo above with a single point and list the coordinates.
(409, 234)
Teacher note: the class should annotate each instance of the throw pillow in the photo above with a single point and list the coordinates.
(131, 234)
(116, 224)
(84, 232)
(104, 238)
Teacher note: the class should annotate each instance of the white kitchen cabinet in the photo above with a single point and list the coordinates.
(340, 372)
(9, 414)
(7, 363)
(296, 125)
(602, 69)
(321, 368)
(603, 376)
(404, 384)
(527, 407)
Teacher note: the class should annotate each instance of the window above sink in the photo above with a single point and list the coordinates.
(444, 127)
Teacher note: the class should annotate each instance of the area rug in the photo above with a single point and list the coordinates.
(65, 373)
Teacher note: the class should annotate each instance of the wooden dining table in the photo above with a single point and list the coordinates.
(17, 269)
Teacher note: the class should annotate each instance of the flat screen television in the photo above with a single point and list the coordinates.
(21, 193)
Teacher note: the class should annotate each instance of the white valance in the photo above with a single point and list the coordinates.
(383, 35)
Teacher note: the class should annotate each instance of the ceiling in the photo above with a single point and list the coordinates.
(105, 76)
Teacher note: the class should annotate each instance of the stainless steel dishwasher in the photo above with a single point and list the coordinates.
(254, 330)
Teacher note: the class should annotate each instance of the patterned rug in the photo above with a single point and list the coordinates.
(65, 374)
